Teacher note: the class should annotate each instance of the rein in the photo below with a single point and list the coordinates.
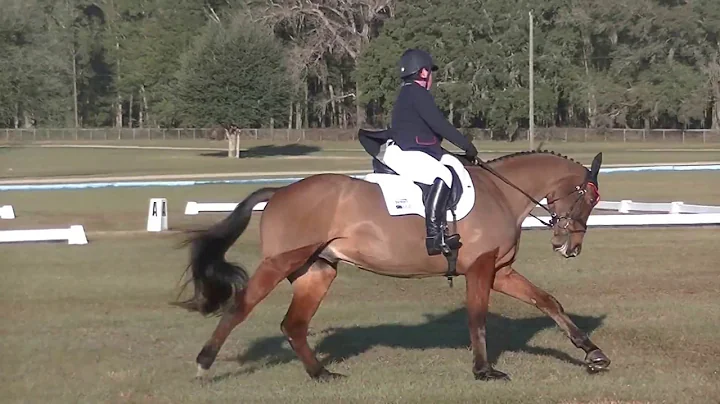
(554, 218)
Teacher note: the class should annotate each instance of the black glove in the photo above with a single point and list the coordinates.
(471, 153)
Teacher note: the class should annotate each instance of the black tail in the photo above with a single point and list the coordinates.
(214, 278)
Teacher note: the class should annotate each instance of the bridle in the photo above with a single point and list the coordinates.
(569, 217)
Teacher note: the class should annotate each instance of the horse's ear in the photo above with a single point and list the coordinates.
(595, 167)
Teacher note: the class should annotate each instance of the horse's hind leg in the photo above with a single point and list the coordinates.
(513, 284)
(269, 273)
(308, 291)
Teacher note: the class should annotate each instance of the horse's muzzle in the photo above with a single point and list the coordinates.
(566, 251)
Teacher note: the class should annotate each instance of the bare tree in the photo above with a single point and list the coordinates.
(341, 28)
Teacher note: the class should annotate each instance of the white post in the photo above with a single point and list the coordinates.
(77, 235)
(157, 215)
(7, 212)
(625, 206)
(676, 207)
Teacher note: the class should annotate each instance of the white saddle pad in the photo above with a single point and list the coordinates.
(404, 197)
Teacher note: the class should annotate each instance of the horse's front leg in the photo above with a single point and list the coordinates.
(479, 280)
(511, 283)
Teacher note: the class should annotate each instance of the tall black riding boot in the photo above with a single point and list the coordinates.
(436, 219)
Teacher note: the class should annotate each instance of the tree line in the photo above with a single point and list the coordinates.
(332, 63)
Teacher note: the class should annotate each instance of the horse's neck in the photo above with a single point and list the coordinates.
(536, 175)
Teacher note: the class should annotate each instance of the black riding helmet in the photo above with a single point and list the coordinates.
(413, 60)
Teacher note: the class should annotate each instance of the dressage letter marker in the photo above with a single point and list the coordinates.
(157, 215)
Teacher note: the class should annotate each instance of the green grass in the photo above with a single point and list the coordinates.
(91, 324)
(64, 162)
(18, 162)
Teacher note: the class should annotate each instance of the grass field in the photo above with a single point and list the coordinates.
(35, 161)
(91, 324)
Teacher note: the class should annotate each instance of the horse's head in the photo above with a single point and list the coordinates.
(571, 204)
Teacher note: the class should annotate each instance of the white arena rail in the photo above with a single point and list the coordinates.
(673, 213)
(627, 206)
(194, 208)
(73, 235)
(646, 220)
(7, 212)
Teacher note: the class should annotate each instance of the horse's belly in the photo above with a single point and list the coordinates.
(386, 256)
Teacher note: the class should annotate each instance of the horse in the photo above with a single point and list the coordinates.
(308, 227)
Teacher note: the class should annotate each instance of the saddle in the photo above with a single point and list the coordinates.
(375, 143)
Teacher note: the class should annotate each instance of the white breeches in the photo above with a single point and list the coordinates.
(416, 165)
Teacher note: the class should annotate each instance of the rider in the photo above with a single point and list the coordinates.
(418, 129)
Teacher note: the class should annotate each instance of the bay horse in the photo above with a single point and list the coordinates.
(310, 226)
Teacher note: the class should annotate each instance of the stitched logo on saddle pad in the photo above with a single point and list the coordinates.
(402, 204)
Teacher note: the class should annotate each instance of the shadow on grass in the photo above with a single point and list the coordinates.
(438, 331)
(270, 151)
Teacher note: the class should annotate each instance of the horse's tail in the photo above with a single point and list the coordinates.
(214, 278)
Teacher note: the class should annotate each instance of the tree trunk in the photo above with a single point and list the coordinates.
(143, 116)
(130, 111)
(27, 120)
(306, 118)
(118, 112)
(333, 109)
(359, 109)
(290, 116)
(298, 116)
(342, 110)
(591, 103)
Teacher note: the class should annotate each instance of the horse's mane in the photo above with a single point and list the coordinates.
(530, 152)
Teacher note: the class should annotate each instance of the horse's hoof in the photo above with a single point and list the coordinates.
(491, 374)
(326, 376)
(200, 372)
(596, 361)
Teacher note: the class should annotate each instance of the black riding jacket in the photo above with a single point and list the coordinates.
(418, 123)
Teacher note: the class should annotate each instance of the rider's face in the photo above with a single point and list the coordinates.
(425, 82)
